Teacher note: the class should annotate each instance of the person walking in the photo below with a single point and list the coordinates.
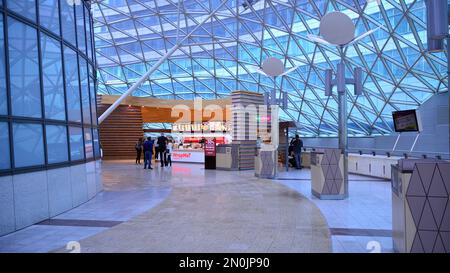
(162, 146)
(148, 153)
(297, 145)
(169, 153)
(138, 148)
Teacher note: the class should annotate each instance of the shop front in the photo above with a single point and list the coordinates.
(190, 139)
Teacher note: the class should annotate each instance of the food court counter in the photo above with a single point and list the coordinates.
(188, 155)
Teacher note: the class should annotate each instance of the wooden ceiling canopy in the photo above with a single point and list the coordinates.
(156, 110)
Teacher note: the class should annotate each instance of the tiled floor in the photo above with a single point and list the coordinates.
(130, 191)
(219, 211)
(39, 238)
(368, 207)
(118, 202)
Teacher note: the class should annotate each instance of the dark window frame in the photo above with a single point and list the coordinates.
(5, 13)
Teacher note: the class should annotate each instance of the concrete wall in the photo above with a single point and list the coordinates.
(433, 140)
(435, 122)
(26, 199)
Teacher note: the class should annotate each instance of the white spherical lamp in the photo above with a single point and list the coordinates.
(273, 67)
(337, 28)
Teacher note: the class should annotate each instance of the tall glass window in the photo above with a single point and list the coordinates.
(3, 99)
(4, 146)
(47, 102)
(87, 17)
(88, 143)
(81, 31)
(28, 145)
(24, 69)
(93, 101)
(85, 91)
(96, 144)
(49, 15)
(72, 85)
(26, 8)
(52, 79)
(56, 144)
(68, 22)
(76, 143)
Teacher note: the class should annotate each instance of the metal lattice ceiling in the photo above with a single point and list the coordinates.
(220, 57)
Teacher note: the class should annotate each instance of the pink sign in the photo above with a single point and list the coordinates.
(210, 147)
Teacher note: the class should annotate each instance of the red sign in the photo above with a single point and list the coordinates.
(188, 156)
(210, 147)
(181, 155)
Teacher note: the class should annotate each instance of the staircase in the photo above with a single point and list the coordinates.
(120, 131)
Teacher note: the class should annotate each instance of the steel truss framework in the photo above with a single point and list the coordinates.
(221, 56)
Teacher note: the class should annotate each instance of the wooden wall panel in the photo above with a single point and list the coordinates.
(156, 110)
(163, 115)
(120, 131)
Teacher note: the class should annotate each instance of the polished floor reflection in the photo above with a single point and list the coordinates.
(188, 209)
(213, 211)
(359, 223)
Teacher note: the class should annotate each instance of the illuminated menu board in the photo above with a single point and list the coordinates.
(215, 126)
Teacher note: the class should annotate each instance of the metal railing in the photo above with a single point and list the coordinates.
(388, 153)
(382, 152)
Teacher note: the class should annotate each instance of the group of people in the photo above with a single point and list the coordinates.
(163, 149)
(295, 152)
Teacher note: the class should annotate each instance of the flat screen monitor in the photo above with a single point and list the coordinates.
(406, 121)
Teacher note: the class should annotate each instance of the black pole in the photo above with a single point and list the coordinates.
(287, 149)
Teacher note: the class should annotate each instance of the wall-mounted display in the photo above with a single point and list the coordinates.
(406, 121)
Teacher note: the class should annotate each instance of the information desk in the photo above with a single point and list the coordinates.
(188, 156)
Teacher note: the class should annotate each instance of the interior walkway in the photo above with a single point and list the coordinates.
(201, 211)
(188, 209)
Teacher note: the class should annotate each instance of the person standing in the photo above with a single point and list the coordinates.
(138, 148)
(156, 150)
(202, 142)
(162, 146)
(297, 145)
(148, 153)
(169, 153)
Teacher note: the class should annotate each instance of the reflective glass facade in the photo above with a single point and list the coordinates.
(48, 112)
(221, 56)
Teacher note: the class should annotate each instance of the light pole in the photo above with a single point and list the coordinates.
(438, 20)
(273, 67)
(338, 29)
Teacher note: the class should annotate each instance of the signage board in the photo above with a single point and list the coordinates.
(210, 147)
(188, 156)
(406, 121)
(213, 126)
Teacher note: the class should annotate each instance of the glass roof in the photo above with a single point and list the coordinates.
(221, 56)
